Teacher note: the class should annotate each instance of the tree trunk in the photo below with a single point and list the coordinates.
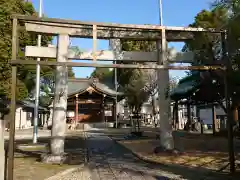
(60, 99)
(153, 109)
(138, 123)
(2, 151)
(189, 117)
(235, 113)
(50, 118)
(166, 138)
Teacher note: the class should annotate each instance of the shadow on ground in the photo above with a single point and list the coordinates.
(120, 159)
(74, 147)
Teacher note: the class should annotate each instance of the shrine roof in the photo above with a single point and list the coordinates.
(80, 85)
(186, 86)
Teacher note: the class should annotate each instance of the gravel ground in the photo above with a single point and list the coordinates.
(28, 168)
(111, 161)
(80, 174)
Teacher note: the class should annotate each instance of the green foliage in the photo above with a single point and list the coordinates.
(135, 91)
(135, 83)
(47, 84)
(132, 81)
(103, 74)
(172, 83)
(147, 46)
(207, 46)
(124, 74)
(26, 74)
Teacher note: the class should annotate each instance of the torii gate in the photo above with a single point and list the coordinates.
(65, 29)
(116, 54)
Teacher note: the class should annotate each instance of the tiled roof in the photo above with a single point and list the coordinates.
(4, 103)
(30, 104)
(186, 86)
(77, 85)
(80, 85)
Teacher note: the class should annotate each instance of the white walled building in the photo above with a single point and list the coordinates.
(24, 114)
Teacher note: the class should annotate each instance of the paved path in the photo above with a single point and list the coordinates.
(110, 161)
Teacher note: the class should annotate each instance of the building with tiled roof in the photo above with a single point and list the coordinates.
(91, 101)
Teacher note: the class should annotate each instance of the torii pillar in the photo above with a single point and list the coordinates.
(116, 47)
(163, 97)
(57, 154)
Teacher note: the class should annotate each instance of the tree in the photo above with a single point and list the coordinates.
(123, 78)
(26, 74)
(47, 85)
(103, 74)
(173, 83)
(207, 49)
(25, 78)
(136, 92)
(127, 45)
(7, 8)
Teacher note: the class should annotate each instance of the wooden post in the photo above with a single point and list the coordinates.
(13, 103)
(214, 119)
(176, 118)
(198, 117)
(76, 111)
(235, 114)
(2, 149)
(198, 112)
(189, 118)
(114, 111)
(153, 108)
(228, 91)
(102, 109)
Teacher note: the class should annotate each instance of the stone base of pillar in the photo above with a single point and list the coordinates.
(161, 149)
(55, 159)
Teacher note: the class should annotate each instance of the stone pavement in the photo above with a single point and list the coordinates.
(110, 161)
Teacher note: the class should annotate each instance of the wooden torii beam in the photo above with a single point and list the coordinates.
(83, 29)
(122, 66)
(108, 31)
(106, 55)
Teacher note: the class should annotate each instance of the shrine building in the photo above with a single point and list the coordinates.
(90, 101)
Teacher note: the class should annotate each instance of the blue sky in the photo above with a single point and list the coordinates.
(175, 13)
